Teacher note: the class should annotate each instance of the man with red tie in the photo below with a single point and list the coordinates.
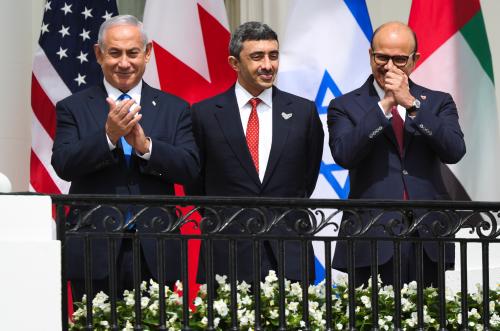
(393, 136)
(257, 141)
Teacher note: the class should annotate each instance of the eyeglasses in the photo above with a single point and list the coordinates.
(398, 60)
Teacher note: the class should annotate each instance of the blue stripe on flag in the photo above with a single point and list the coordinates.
(320, 271)
(360, 12)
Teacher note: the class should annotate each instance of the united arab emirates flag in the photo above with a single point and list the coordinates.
(456, 58)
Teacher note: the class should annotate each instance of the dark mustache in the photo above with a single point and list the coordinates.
(265, 72)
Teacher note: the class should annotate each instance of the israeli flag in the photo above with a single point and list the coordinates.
(324, 53)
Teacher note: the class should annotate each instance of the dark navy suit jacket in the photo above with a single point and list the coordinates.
(362, 140)
(81, 155)
(228, 170)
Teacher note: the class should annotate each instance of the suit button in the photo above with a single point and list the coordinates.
(405, 172)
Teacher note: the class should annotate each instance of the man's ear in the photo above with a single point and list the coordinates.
(98, 53)
(234, 63)
(416, 57)
(149, 48)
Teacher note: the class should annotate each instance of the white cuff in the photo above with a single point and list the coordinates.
(110, 144)
(146, 156)
(388, 116)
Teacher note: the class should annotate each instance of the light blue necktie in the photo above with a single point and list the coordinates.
(127, 149)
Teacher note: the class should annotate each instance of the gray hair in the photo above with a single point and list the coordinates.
(120, 20)
(249, 31)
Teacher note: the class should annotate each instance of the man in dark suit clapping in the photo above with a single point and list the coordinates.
(393, 135)
(123, 137)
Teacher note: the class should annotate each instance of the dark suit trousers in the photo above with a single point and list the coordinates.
(408, 267)
(125, 275)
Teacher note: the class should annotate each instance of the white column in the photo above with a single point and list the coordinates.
(15, 82)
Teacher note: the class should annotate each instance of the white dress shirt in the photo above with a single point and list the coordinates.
(265, 114)
(381, 94)
(135, 94)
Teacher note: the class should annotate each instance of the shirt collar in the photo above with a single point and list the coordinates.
(380, 91)
(243, 96)
(114, 93)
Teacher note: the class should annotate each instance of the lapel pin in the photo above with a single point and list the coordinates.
(423, 97)
(286, 116)
(153, 102)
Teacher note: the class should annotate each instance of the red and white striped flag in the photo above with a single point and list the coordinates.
(190, 51)
(64, 63)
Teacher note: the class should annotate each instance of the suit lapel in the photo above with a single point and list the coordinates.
(281, 129)
(229, 119)
(149, 108)
(98, 106)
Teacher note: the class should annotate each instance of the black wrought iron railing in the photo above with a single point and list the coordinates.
(284, 228)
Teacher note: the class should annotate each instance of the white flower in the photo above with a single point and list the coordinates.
(296, 290)
(342, 280)
(221, 307)
(100, 298)
(411, 322)
(104, 323)
(144, 286)
(178, 286)
(144, 302)
(293, 306)
(244, 287)
(154, 288)
(267, 289)
(366, 301)
(495, 320)
(173, 318)
(273, 314)
(129, 300)
(128, 327)
(449, 295)
(474, 313)
(406, 305)
(174, 298)
(339, 326)
(245, 301)
(198, 301)
(271, 277)
(220, 279)
(203, 289)
(313, 305)
(154, 307)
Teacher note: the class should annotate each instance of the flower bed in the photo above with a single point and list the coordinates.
(293, 311)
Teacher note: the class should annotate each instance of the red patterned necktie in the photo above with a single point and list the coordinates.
(398, 127)
(253, 133)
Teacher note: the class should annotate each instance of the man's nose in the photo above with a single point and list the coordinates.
(389, 65)
(124, 61)
(266, 63)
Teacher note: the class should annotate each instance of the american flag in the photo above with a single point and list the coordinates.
(64, 63)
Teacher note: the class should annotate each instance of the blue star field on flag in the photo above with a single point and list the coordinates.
(68, 34)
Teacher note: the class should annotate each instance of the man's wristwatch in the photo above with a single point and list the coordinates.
(414, 106)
